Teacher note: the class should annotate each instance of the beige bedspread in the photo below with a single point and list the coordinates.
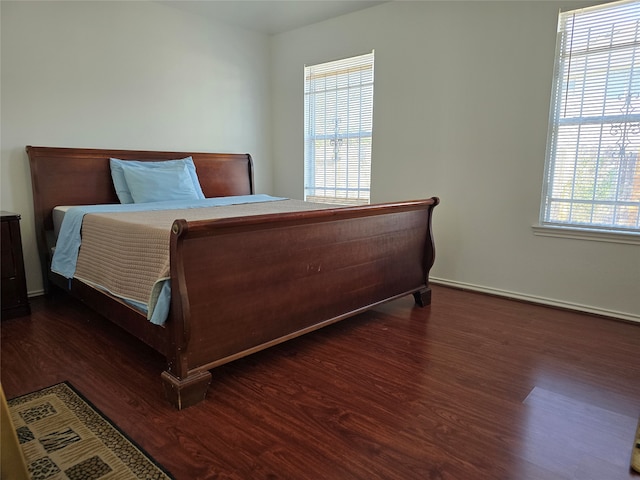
(127, 254)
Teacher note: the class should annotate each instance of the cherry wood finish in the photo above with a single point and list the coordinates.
(472, 387)
(241, 285)
(15, 302)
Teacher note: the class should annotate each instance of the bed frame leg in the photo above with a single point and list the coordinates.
(183, 393)
(422, 297)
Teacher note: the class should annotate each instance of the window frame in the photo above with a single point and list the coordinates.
(547, 225)
(339, 70)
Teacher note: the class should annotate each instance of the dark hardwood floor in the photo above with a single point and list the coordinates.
(473, 387)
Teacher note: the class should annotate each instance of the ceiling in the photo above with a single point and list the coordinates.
(271, 16)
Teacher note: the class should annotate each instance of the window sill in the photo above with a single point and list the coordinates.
(587, 234)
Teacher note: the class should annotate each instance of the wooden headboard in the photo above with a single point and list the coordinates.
(82, 176)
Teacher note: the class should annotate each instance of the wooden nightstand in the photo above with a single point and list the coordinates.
(14, 285)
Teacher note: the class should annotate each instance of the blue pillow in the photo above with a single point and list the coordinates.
(159, 184)
(120, 183)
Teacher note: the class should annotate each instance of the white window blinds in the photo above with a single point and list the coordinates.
(338, 125)
(592, 175)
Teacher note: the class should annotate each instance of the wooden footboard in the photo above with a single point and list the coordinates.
(244, 284)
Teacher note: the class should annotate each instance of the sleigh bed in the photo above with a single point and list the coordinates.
(240, 284)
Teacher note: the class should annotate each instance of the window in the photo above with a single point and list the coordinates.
(592, 177)
(338, 126)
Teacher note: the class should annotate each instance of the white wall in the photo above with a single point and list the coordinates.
(461, 110)
(130, 75)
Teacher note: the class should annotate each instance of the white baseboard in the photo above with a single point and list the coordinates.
(535, 299)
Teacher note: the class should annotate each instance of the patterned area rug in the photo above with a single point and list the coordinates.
(63, 436)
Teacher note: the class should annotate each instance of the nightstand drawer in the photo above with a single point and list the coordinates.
(14, 300)
(11, 293)
(8, 266)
